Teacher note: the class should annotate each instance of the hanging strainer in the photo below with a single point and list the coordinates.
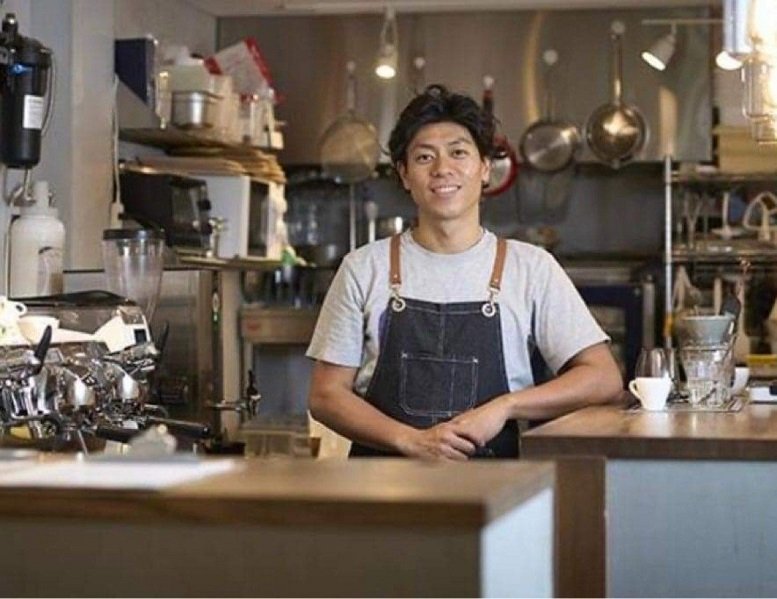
(349, 146)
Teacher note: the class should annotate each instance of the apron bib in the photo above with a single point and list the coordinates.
(439, 360)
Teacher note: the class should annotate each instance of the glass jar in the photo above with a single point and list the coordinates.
(759, 75)
(764, 130)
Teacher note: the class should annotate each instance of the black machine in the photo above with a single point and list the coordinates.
(177, 205)
(25, 73)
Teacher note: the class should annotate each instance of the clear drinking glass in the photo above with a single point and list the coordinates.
(708, 373)
(652, 363)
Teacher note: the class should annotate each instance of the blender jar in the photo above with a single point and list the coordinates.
(133, 261)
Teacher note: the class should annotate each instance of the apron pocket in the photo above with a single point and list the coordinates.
(437, 387)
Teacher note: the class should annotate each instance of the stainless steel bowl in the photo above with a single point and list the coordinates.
(194, 109)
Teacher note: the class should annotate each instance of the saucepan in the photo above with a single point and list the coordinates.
(550, 144)
(615, 131)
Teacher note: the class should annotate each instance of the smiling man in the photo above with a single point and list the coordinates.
(425, 342)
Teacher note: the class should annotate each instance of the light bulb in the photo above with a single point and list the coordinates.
(386, 67)
(388, 55)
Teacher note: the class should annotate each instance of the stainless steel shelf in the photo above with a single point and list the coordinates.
(259, 264)
(724, 255)
(718, 177)
(172, 138)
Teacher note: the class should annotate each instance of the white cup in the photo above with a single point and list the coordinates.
(10, 312)
(652, 391)
(741, 376)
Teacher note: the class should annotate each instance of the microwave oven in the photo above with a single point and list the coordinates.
(252, 213)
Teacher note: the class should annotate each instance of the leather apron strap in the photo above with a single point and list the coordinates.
(394, 266)
(499, 264)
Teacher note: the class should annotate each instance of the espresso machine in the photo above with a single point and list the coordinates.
(82, 365)
(85, 372)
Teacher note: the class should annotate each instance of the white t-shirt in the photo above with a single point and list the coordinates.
(532, 283)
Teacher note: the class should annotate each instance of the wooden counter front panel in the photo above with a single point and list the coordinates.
(277, 325)
(580, 535)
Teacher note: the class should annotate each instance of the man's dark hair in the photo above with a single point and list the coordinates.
(438, 105)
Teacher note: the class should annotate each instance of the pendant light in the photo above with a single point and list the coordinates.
(388, 53)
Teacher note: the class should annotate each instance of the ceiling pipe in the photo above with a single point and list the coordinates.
(325, 7)
(735, 20)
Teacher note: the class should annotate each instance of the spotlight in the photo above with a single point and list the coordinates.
(388, 53)
(727, 62)
(660, 53)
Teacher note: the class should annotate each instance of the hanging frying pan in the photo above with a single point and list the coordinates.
(504, 164)
(550, 145)
(616, 132)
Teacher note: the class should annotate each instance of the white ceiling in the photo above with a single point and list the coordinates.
(239, 8)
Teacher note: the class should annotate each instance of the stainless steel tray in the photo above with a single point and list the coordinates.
(735, 404)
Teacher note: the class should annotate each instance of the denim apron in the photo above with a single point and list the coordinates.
(439, 360)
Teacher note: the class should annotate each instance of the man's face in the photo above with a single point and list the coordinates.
(444, 172)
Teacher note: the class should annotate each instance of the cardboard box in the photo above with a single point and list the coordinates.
(738, 152)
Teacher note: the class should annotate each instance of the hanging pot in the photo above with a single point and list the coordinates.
(504, 164)
(616, 132)
(550, 145)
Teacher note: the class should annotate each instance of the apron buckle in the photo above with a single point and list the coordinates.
(397, 303)
(489, 308)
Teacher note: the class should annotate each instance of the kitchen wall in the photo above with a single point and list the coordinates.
(586, 207)
(170, 22)
(307, 57)
(76, 155)
(77, 150)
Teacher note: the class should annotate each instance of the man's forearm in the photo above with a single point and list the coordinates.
(580, 386)
(351, 416)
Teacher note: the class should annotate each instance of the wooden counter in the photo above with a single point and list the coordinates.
(676, 504)
(613, 432)
(371, 492)
(290, 527)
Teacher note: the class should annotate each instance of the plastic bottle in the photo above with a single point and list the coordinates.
(37, 243)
